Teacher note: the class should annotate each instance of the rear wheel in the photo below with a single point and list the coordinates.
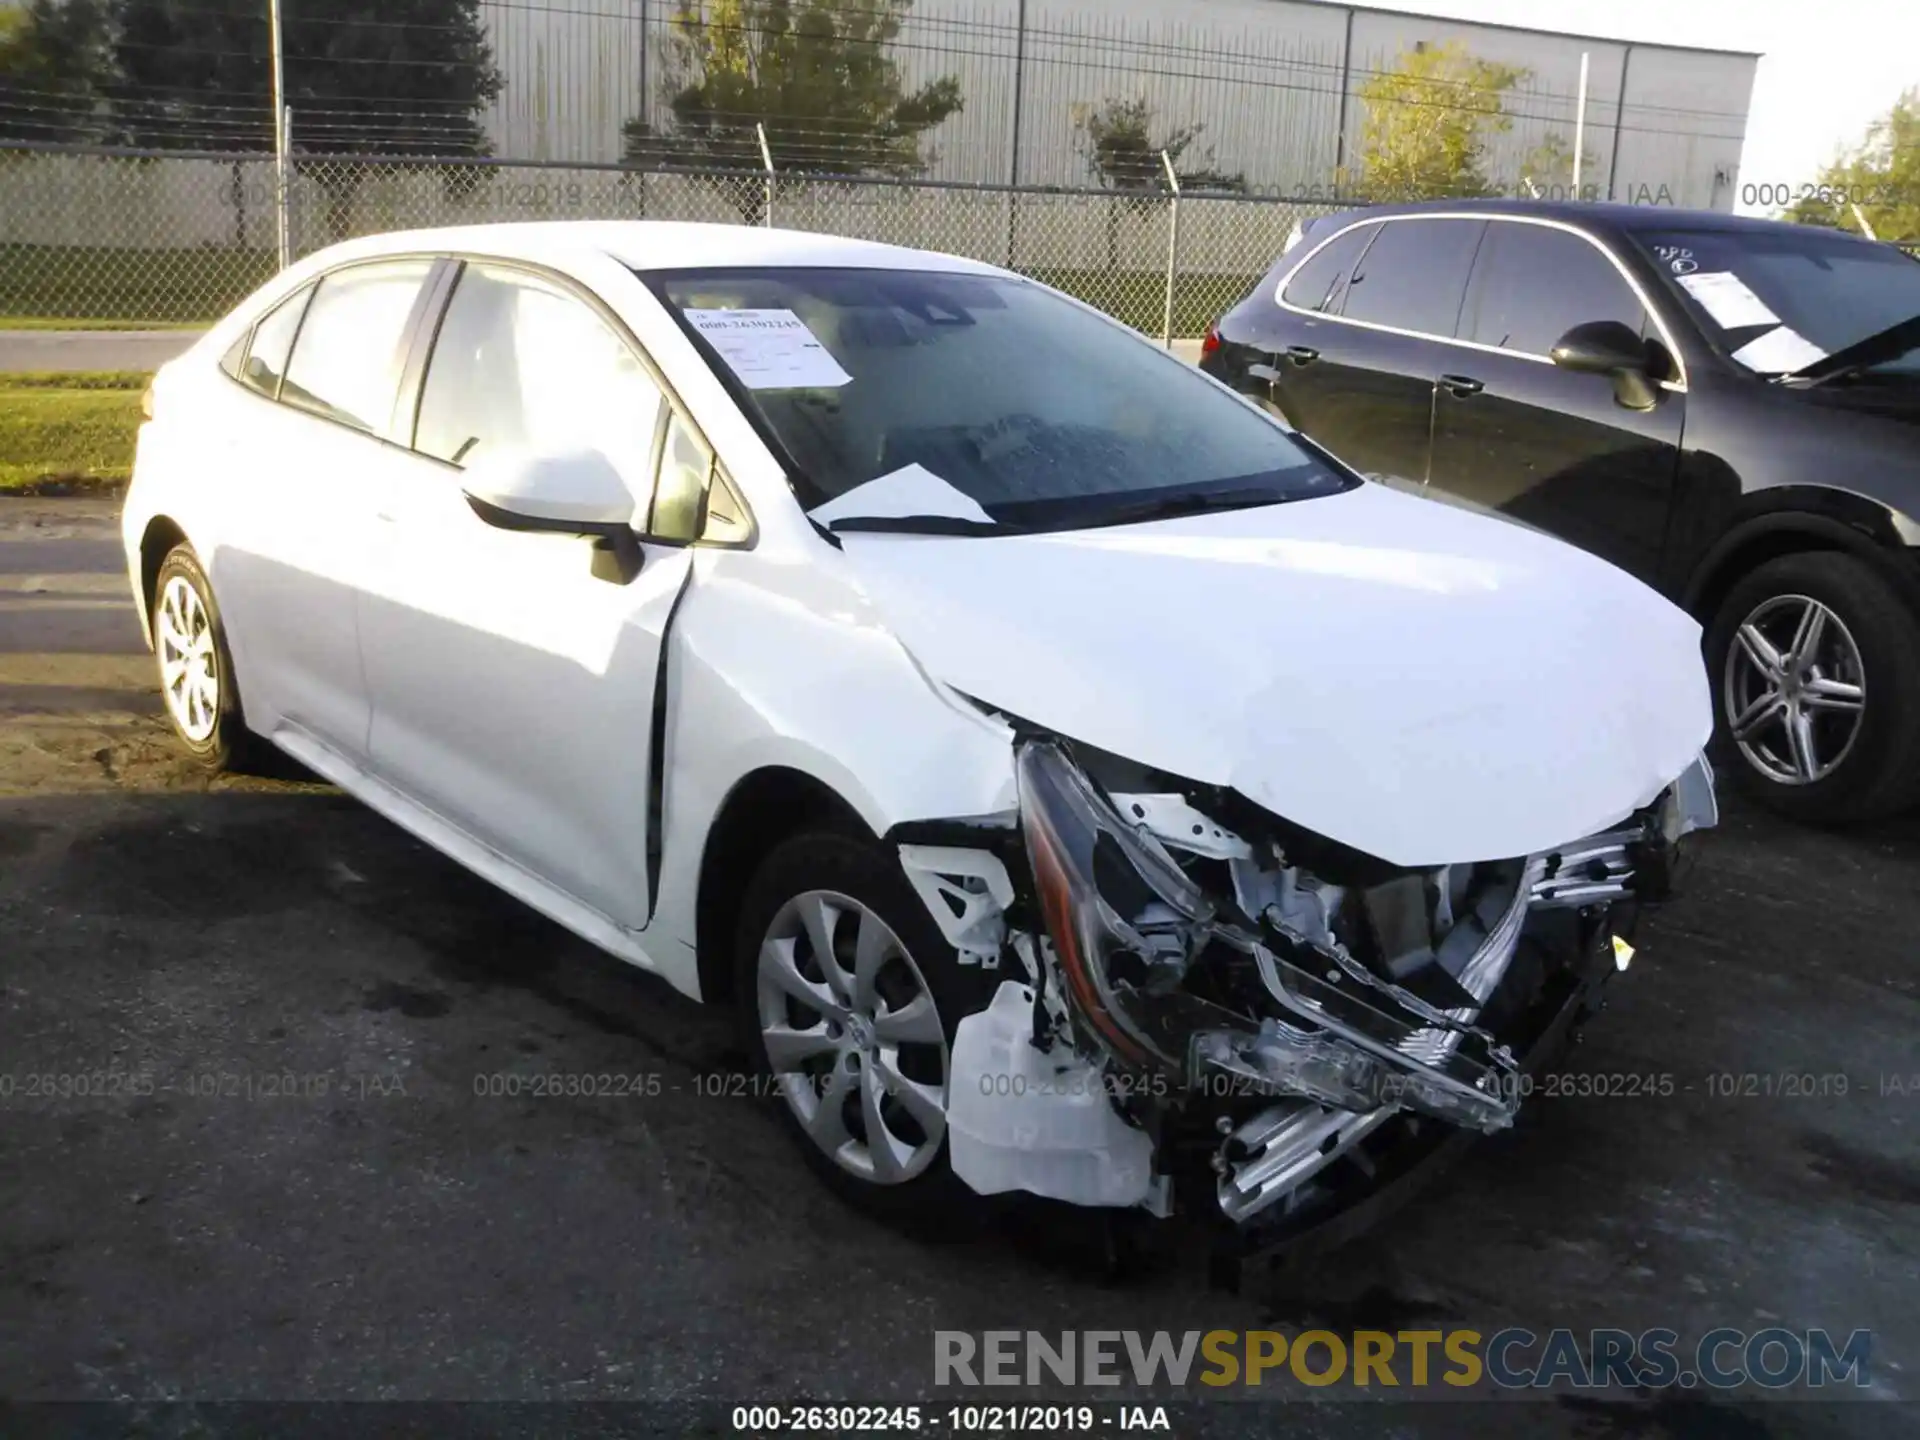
(1815, 661)
(196, 669)
(848, 999)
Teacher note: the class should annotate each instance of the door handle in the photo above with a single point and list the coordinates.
(1302, 354)
(1462, 385)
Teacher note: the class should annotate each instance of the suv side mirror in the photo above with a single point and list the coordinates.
(571, 492)
(1608, 347)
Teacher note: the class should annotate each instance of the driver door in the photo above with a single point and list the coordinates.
(512, 688)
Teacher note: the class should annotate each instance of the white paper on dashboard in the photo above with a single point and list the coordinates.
(912, 491)
(770, 349)
(1780, 351)
(1725, 296)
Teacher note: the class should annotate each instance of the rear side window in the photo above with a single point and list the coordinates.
(346, 363)
(523, 363)
(1414, 274)
(1320, 283)
(1533, 283)
(266, 357)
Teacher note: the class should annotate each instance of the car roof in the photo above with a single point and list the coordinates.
(655, 245)
(1614, 213)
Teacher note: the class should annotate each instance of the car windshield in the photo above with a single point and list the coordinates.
(1782, 299)
(981, 402)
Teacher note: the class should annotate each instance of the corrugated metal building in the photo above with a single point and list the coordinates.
(1275, 83)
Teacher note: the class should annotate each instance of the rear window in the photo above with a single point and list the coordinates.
(1320, 283)
(1414, 275)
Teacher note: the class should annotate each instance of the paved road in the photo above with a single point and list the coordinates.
(402, 1236)
(91, 349)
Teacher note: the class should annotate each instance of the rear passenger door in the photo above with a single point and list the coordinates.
(301, 491)
(1357, 371)
(1553, 447)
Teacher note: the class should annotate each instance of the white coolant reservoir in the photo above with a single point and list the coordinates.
(1018, 1119)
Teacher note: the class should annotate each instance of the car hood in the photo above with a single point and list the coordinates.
(1415, 681)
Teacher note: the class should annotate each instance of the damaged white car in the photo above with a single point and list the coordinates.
(1079, 783)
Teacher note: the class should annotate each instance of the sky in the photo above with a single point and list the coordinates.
(1829, 68)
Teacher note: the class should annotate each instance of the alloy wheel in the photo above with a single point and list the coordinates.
(853, 1036)
(1795, 690)
(189, 670)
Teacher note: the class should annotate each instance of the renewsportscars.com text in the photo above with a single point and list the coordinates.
(1513, 1359)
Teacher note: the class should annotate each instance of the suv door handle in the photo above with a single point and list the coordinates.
(1302, 354)
(1462, 385)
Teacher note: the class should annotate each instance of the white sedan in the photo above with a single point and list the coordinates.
(1077, 782)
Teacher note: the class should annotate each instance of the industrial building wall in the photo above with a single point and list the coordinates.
(1263, 77)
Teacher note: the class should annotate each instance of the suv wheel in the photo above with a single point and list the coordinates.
(848, 998)
(1815, 663)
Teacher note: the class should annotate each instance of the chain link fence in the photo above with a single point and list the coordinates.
(142, 238)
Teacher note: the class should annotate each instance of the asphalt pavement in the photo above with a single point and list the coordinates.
(318, 1194)
(91, 349)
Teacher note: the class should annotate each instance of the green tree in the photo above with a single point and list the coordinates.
(388, 78)
(818, 74)
(55, 64)
(1882, 176)
(1118, 141)
(1547, 171)
(1428, 122)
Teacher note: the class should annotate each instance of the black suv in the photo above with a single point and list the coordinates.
(1728, 408)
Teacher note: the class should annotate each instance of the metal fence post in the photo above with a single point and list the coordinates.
(1173, 250)
(766, 158)
(281, 137)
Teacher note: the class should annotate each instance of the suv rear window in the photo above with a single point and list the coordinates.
(1414, 274)
(1317, 285)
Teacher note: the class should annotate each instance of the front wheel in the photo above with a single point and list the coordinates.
(848, 998)
(1815, 662)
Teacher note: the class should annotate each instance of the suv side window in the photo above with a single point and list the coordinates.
(266, 356)
(1414, 274)
(520, 362)
(346, 361)
(1320, 283)
(1533, 283)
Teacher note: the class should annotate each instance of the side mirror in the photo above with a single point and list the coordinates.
(571, 492)
(1608, 347)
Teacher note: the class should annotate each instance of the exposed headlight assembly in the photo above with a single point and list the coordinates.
(1127, 922)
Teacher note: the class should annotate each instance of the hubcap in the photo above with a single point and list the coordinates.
(189, 677)
(1795, 690)
(852, 1033)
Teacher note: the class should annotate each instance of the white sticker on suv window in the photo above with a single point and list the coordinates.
(1725, 296)
(770, 349)
(1780, 351)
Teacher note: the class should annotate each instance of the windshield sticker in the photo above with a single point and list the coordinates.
(1677, 258)
(1780, 351)
(1725, 296)
(770, 349)
(910, 493)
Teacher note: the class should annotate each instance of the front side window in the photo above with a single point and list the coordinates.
(1021, 408)
(520, 362)
(346, 361)
(266, 357)
(1533, 283)
(1413, 275)
(1781, 298)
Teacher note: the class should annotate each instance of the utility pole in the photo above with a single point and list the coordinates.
(280, 140)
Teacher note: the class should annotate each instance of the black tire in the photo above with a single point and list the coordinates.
(229, 745)
(1879, 772)
(934, 1200)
